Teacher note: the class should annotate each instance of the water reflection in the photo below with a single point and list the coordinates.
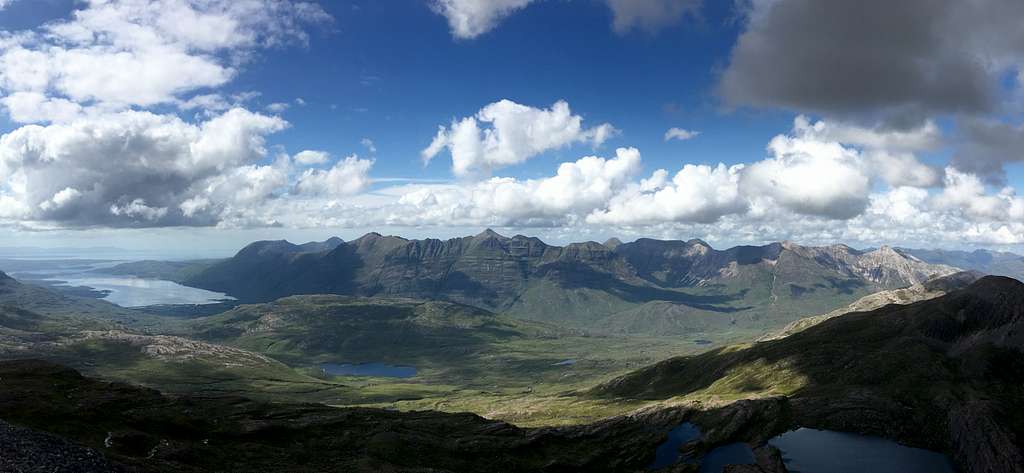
(125, 291)
(824, 451)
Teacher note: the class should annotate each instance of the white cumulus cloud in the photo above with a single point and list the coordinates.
(125, 163)
(810, 177)
(346, 177)
(505, 133)
(123, 53)
(697, 193)
(471, 18)
(311, 157)
(576, 189)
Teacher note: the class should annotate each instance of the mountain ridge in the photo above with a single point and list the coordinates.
(578, 284)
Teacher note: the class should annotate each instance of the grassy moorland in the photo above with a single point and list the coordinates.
(467, 359)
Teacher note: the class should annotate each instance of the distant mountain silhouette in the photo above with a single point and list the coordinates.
(997, 263)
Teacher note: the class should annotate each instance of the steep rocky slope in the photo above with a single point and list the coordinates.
(929, 289)
(944, 373)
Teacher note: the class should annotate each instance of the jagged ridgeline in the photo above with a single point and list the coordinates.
(646, 286)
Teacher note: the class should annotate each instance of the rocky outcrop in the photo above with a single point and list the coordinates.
(26, 450)
(175, 349)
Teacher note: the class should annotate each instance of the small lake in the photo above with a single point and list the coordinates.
(668, 452)
(824, 451)
(808, 451)
(125, 291)
(378, 370)
(731, 454)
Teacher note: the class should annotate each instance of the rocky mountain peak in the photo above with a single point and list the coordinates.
(612, 243)
(488, 233)
(266, 247)
(841, 248)
(369, 237)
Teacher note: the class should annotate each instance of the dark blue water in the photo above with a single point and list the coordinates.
(379, 370)
(731, 454)
(714, 461)
(824, 451)
(668, 452)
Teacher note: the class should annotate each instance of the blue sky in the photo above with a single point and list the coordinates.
(899, 162)
(391, 72)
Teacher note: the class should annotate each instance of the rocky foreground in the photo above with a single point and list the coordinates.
(54, 419)
(136, 429)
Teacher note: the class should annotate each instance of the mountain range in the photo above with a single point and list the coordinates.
(917, 352)
(645, 286)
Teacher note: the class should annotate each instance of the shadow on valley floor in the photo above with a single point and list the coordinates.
(572, 276)
(150, 432)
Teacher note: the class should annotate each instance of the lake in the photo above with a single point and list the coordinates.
(125, 291)
(668, 452)
(808, 451)
(729, 454)
(379, 370)
(824, 451)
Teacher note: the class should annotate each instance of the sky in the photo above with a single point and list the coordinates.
(195, 126)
